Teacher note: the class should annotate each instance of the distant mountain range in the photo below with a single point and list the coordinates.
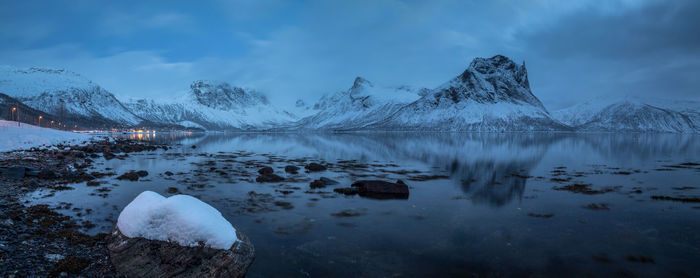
(491, 95)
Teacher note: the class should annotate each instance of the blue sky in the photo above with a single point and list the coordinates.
(574, 50)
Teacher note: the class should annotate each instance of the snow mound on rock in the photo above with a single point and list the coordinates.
(181, 218)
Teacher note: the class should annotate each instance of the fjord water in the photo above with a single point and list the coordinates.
(480, 203)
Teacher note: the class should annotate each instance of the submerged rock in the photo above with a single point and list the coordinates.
(141, 257)
(142, 173)
(266, 171)
(291, 169)
(322, 182)
(378, 189)
(315, 167)
(269, 178)
(131, 175)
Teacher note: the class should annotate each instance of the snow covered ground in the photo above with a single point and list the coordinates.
(25, 136)
(181, 218)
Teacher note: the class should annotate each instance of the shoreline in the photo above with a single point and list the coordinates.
(38, 241)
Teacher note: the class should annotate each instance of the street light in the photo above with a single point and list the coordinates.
(40, 120)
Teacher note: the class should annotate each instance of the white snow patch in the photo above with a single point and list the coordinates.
(181, 218)
(25, 136)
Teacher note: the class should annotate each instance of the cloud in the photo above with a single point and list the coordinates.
(127, 23)
(574, 49)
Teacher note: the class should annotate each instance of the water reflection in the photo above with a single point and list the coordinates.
(496, 183)
(490, 168)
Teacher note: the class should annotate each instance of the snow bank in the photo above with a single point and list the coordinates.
(182, 219)
(13, 137)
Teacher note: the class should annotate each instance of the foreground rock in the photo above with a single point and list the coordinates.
(178, 236)
(140, 257)
(377, 189)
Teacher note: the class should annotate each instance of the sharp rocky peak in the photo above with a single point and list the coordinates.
(223, 96)
(498, 65)
(490, 80)
(360, 83)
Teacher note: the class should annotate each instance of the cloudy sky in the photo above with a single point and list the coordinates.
(574, 50)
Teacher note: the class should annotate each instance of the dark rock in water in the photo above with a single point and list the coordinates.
(173, 190)
(266, 171)
(346, 190)
(328, 181)
(131, 175)
(377, 189)
(108, 155)
(322, 182)
(168, 173)
(315, 167)
(291, 169)
(93, 183)
(47, 174)
(142, 173)
(14, 172)
(317, 184)
(141, 257)
(269, 178)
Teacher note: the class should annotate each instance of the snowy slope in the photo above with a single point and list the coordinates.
(215, 106)
(633, 115)
(361, 105)
(13, 137)
(493, 94)
(61, 92)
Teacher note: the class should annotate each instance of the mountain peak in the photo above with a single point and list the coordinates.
(361, 82)
(490, 80)
(497, 65)
(223, 96)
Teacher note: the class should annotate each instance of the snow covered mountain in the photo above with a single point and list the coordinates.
(361, 105)
(633, 115)
(66, 95)
(215, 106)
(493, 94)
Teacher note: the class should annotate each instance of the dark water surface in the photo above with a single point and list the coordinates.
(480, 204)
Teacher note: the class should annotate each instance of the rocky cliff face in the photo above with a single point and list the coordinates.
(492, 94)
(214, 106)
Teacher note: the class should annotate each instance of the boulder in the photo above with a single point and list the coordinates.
(142, 173)
(315, 167)
(291, 169)
(108, 155)
(266, 171)
(141, 257)
(269, 178)
(322, 182)
(378, 189)
(131, 175)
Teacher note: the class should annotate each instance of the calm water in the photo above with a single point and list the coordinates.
(494, 213)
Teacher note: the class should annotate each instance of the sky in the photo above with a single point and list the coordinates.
(574, 50)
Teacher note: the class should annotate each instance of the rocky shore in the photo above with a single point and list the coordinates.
(37, 241)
